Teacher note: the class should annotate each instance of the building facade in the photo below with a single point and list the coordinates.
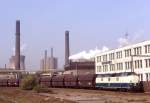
(80, 68)
(131, 58)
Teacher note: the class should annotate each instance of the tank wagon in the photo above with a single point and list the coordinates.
(9, 82)
(86, 81)
(45, 81)
(58, 81)
(13, 82)
(70, 81)
(3, 82)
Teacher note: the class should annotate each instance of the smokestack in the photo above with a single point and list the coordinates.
(67, 53)
(45, 64)
(51, 52)
(17, 48)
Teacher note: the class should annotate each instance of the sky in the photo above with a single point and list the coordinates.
(92, 23)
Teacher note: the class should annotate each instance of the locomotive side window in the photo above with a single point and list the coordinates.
(117, 79)
(108, 79)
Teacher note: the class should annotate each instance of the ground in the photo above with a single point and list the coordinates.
(16, 95)
(61, 95)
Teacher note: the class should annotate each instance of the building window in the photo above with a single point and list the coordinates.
(147, 63)
(147, 76)
(138, 64)
(137, 51)
(128, 65)
(147, 48)
(127, 52)
(119, 66)
(135, 64)
(112, 67)
(99, 69)
(111, 56)
(141, 64)
(98, 58)
(104, 57)
(105, 68)
(119, 54)
(140, 77)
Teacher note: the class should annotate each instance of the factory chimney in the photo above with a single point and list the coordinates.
(17, 48)
(67, 48)
(51, 52)
(45, 60)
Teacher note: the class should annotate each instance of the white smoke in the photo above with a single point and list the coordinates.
(87, 55)
(137, 37)
(22, 48)
(123, 42)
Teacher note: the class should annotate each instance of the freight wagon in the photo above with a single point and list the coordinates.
(9, 82)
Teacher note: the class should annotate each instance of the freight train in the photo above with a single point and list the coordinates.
(127, 81)
(117, 81)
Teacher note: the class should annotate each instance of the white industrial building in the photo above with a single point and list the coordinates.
(134, 58)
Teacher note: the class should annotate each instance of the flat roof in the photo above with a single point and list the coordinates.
(125, 47)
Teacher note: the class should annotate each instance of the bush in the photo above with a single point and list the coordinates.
(37, 88)
(28, 82)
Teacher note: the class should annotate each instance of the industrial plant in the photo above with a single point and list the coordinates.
(77, 67)
(48, 63)
(122, 68)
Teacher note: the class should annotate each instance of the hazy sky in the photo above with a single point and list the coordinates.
(91, 23)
